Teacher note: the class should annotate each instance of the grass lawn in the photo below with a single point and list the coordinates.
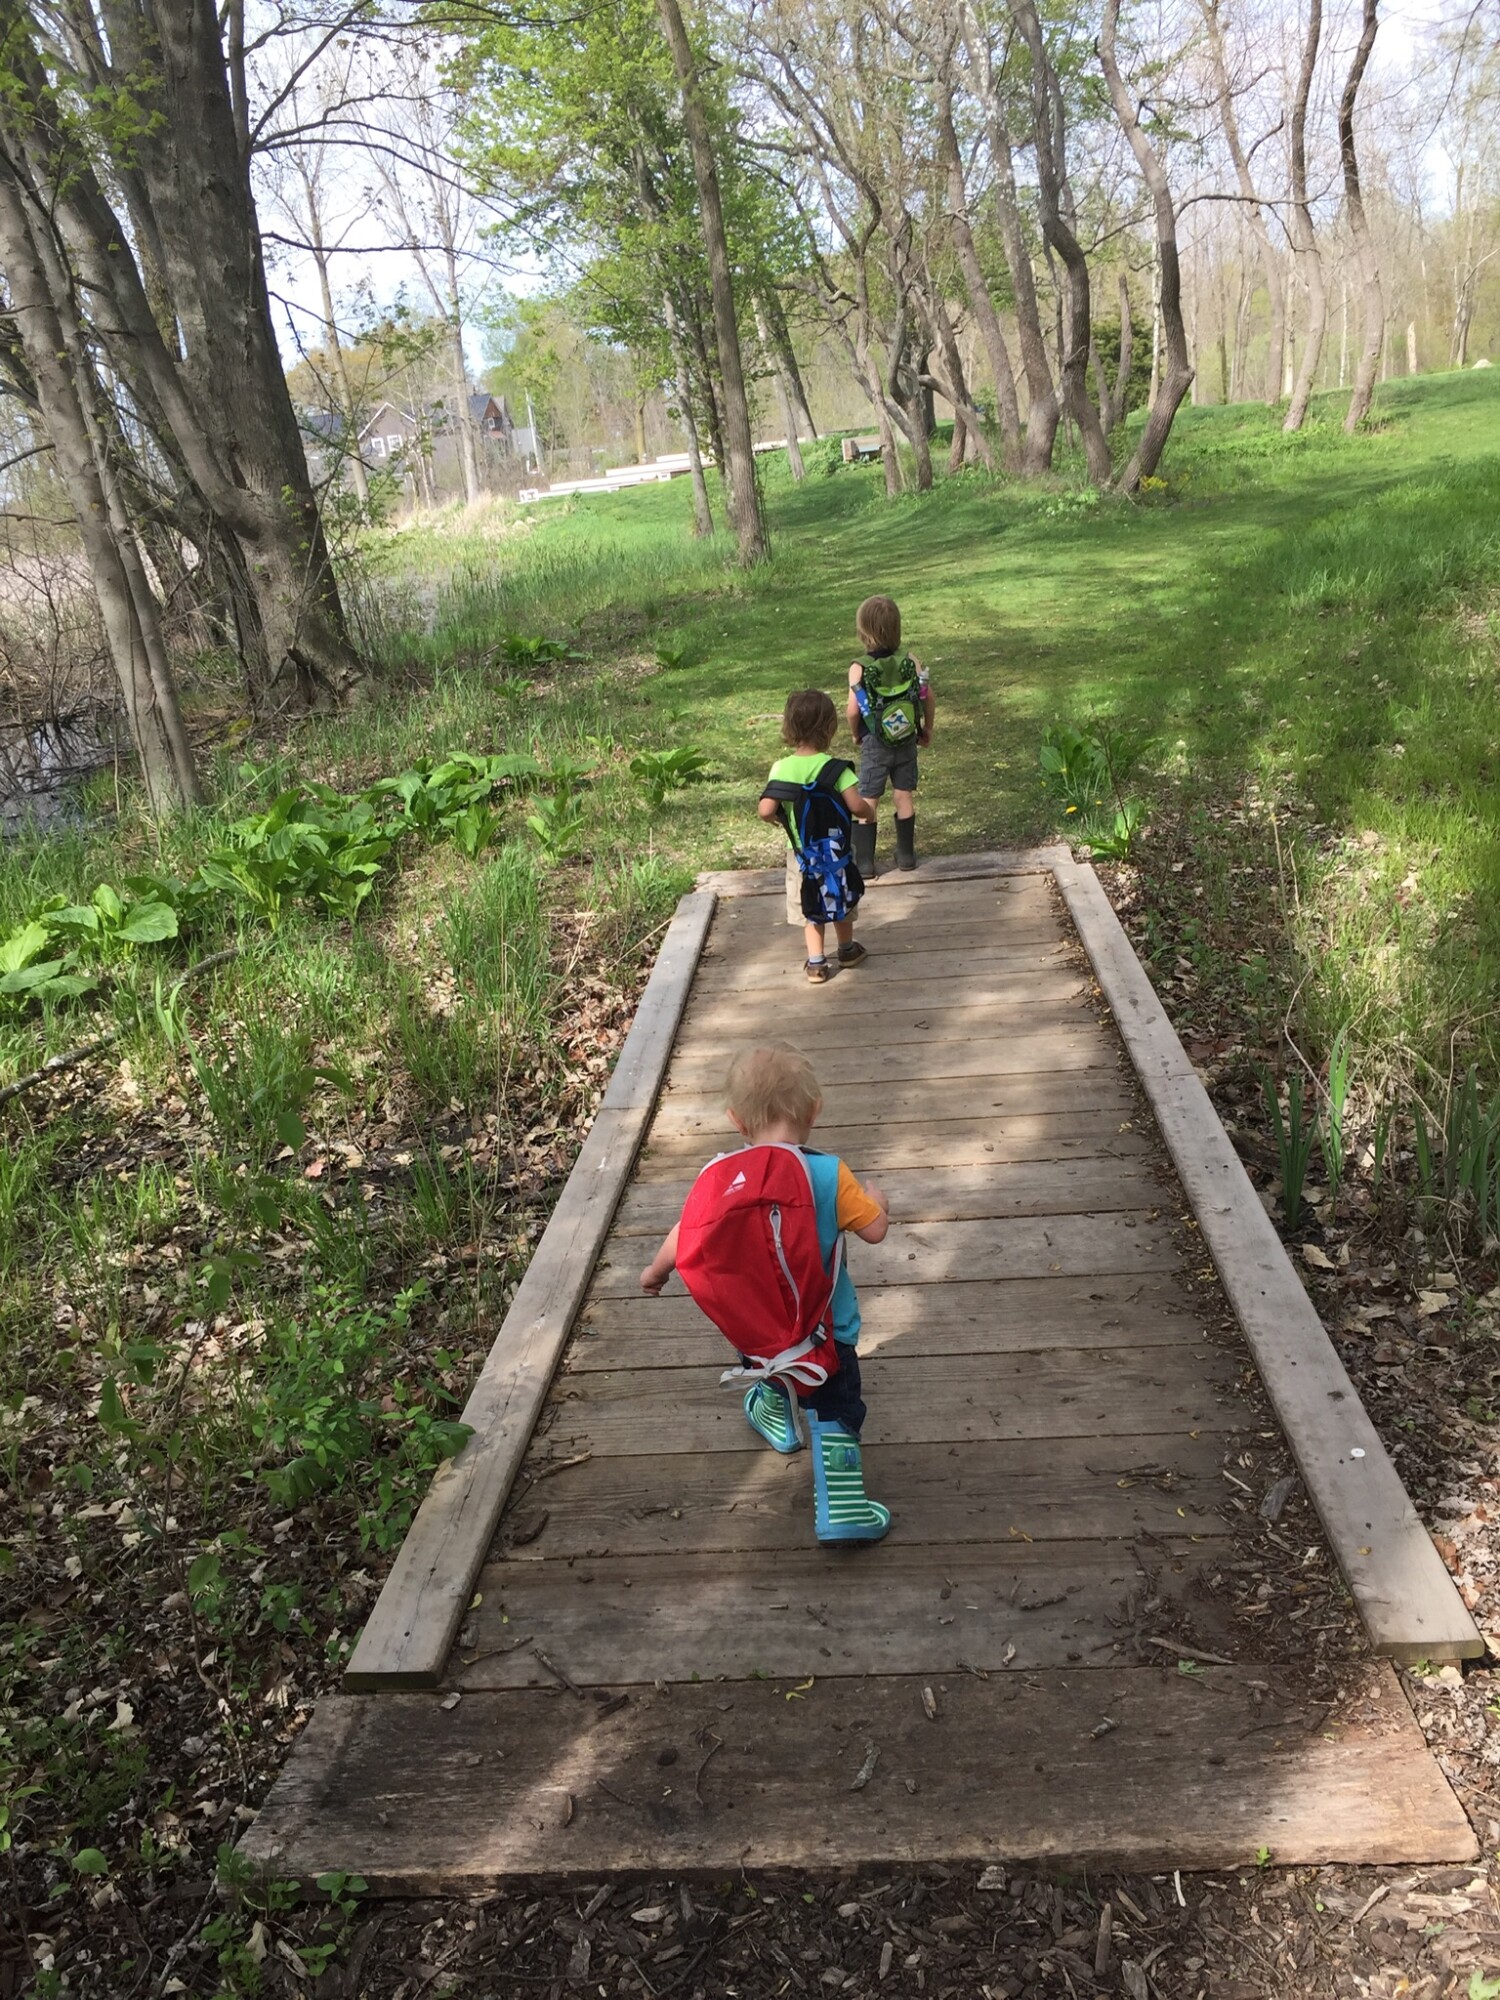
(251, 1254)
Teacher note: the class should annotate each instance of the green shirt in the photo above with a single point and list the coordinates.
(800, 769)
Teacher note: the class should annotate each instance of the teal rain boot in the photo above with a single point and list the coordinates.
(862, 835)
(769, 1412)
(906, 842)
(843, 1514)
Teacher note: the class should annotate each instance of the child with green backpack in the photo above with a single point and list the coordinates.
(890, 712)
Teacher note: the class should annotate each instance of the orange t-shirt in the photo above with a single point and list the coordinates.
(856, 1211)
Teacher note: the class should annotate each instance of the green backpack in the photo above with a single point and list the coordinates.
(890, 698)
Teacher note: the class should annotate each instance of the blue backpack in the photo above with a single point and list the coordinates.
(818, 825)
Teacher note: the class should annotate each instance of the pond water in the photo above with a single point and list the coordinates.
(41, 767)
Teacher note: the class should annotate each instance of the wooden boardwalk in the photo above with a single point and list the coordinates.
(657, 1668)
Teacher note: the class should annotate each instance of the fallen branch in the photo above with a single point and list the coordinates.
(70, 1058)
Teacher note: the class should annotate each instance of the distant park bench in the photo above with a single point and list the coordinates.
(856, 449)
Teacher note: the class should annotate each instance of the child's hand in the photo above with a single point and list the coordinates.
(879, 1196)
(651, 1284)
(924, 739)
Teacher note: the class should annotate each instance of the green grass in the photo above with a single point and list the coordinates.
(1312, 622)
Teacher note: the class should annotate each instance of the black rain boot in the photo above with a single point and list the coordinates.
(863, 833)
(906, 842)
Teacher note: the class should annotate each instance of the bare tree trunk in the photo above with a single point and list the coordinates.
(1044, 410)
(968, 426)
(225, 381)
(1179, 372)
(1119, 402)
(1101, 385)
(703, 519)
(1255, 214)
(1308, 254)
(786, 356)
(744, 498)
(1373, 304)
(1054, 203)
(783, 395)
(54, 354)
(1007, 407)
(349, 409)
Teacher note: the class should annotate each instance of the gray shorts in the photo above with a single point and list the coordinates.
(881, 762)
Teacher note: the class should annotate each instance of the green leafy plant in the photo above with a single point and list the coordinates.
(1089, 772)
(109, 924)
(673, 657)
(1295, 1136)
(26, 975)
(1331, 1133)
(519, 650)
(658, 772)
(557, 821)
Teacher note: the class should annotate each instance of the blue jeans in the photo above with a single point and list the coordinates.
(839, 1400)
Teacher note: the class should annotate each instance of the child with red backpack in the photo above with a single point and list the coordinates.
(760, 1248)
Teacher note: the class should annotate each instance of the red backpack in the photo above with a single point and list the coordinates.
(748, 1252)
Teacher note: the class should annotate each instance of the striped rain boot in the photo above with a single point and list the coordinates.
(769, 1412)
(843, 1514)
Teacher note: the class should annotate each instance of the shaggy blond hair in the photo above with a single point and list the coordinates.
(878, 623)
(771, 1086)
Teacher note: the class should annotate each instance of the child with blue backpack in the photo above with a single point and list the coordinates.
(817, 799)
(760, 1248)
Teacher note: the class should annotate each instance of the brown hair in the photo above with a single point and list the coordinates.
(878, 623)
(769, 1086)
(810, 717)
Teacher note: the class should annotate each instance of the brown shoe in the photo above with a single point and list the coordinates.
(852, 953)
(819, 971)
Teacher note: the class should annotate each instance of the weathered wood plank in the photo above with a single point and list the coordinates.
(1051, 1052)
(1014, 1316)
(945, 1399)
(913, 1609)
(941, 1194)
(804, 1018)
(409, 1633)
(1050, 1489)
(932, 1253)
(1056, 1096)
(731, 883)
(771, 975)
(882, 1148)
(1407, 1599)
(422, 1800)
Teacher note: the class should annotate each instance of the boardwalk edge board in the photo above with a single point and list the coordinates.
(411, 1630)
(1409, 1603)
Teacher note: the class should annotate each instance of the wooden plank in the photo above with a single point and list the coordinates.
(931, 1253)
(852, 1059)
(973, 910)
(940, 1194)
(731, 883)
(959, 1142)
(411, 1629)
(1015, 1316)
(914, 1609)
(804, 1018)
(1056, 1096)
(1049, 1489)
(1407, 1599)
(423, 1800)
(766, 975)
(945, 1399)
